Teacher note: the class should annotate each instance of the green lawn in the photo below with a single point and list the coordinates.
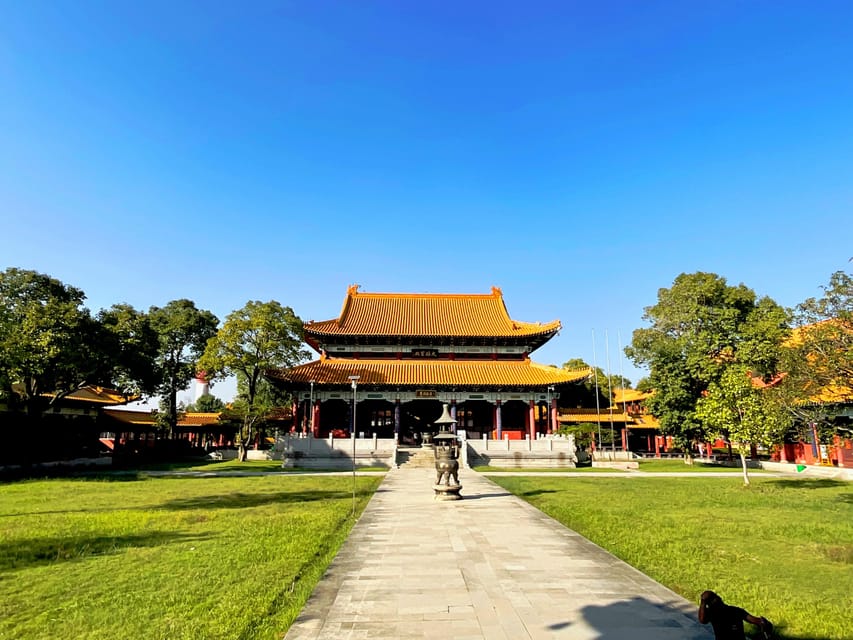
(780, 548)
(673, 464)
(649, 465)
(176, 558)
(583, 469)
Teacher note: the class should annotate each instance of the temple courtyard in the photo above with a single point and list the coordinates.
(488, 566)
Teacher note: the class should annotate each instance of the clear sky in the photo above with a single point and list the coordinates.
(579, 155)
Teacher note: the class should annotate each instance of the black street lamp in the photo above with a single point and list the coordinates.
(354, 383)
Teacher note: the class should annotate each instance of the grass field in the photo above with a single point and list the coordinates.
(780, 548)
(649, 465)
(177, 558)
(229, 466)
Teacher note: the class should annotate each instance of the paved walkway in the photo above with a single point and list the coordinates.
(489, 566)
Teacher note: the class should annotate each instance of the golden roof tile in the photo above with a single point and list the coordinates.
(461, 373)
(590, 415)
(89, 393)
(427, 315)
(629, 395)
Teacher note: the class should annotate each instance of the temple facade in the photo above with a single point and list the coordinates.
(393, 359)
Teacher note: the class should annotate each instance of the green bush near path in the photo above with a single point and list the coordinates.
(179, 558)
(780, 548)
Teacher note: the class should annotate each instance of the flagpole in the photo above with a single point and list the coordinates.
(610, 394)
(595, 378)
(622, 382)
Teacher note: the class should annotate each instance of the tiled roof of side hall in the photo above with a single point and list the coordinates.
(427, 314)
(336, 371)
(91, 393)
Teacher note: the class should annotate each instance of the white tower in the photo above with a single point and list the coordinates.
(202, 385)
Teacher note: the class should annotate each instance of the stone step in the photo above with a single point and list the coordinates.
(416, 458)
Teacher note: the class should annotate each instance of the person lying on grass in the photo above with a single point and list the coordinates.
(727, 620)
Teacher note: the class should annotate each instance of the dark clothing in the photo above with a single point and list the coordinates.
(727, 622)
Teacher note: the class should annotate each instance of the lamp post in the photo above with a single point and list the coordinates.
(548, 423)
(354, 383)
(312, 407)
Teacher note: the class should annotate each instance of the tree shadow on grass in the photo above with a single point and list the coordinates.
(24, 553)
(536, 492)
(237, 500)
(809, 483)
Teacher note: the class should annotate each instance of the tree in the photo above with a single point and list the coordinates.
(735, 409)
(182, 332)
(598, 378)
(132, 344)
(644, 385)
(700, 327)
(206, 404)
(258, 337)
(50, 346)
(824, 341)
(818, 359)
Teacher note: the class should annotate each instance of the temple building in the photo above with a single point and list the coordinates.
(402, 355)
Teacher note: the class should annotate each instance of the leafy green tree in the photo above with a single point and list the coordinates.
(700, 327)
(50, 345)
(182, 332)
(644, 385)
(818, 359)
(132, 346)
(206, 404)
(258, 337)
(735, 409)
(599, 377)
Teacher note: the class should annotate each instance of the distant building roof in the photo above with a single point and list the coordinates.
(427, 315)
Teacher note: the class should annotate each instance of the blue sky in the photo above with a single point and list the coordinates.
(577, 155)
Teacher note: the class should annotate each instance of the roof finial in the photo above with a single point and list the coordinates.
(496, 291)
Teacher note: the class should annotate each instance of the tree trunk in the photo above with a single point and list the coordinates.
(745, 472)
(241, 451)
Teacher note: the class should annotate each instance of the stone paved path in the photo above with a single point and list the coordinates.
(489, 566)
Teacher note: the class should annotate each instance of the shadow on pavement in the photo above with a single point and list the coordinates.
(640, 619)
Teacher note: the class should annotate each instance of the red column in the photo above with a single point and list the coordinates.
(531, 420)
(657, 446)
(554, 415)
(498, 425)
(624, 439)
(316, 422)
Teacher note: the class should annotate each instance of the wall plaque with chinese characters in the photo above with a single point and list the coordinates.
(424, 353)
(424, 393)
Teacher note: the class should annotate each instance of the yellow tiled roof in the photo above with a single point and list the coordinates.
(90, 393)
(427, 314)
(629, 395)
(644, 421)
(833, 394)
(470, 373)
(131, 417)
(589, 415)
(148, 418)
(197, 419)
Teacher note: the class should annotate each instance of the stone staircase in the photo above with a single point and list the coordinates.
(415, 457)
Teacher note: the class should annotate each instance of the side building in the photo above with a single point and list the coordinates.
(400, 356)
